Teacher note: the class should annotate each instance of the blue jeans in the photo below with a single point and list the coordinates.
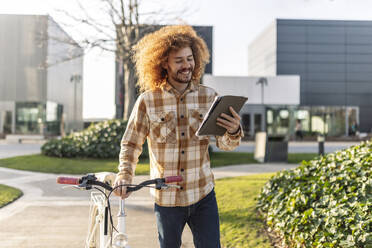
(202, 218)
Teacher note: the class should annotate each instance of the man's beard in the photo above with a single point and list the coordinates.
(183, 79)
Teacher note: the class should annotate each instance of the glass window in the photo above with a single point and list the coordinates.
(269, 116)
(8, 122)
(257, 122)
(38, 118)
(284, 114)
(328, 120)
(51, 111)
(246, 124)
(30, 117)
(278, 119)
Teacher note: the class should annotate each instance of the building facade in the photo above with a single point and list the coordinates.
(40, 77)
(334, 62)
(205, 32)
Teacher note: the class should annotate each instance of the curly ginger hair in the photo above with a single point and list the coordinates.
(154, 48)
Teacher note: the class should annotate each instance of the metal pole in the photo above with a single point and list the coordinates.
(321, 145)
(346, 121)
(75, 102)
(75, 78)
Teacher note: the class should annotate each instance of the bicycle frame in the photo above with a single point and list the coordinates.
(99, 229)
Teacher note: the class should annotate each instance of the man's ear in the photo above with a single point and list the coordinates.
(164, 65)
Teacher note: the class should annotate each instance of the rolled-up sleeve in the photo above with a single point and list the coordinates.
(132, 141)
(229, 142)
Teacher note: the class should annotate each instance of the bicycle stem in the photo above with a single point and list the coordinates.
(121, 216)
(121, 208)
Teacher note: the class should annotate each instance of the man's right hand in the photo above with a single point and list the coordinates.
(121, 191)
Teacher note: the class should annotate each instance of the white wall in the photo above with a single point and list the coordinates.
(262, 53)
(22, 52)
(64, 61)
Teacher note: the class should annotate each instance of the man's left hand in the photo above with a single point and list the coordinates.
(232, 124)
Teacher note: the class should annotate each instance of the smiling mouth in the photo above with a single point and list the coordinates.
(185, 72)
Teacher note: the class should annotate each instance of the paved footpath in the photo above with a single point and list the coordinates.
(49, 216)
(298, 147)
(8, 150)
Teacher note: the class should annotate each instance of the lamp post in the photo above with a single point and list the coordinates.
(75, 79)
(263, 82)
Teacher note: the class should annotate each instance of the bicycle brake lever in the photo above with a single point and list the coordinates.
(72, 186)
(167, 186)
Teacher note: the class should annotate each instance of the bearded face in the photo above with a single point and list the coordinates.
(180, 65)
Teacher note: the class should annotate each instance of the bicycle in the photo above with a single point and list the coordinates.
(101, 230)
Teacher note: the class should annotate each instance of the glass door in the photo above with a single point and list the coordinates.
(8, 122)
(257, 123)
(246, 124)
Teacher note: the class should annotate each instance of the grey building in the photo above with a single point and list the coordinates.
(334, 62)
(205, 32)
(40, 77)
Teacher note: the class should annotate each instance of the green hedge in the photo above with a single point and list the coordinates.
(101, 140)
(326, 202)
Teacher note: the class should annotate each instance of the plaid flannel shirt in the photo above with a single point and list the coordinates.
(169, 121)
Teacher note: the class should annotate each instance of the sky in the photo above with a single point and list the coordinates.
(236, 23)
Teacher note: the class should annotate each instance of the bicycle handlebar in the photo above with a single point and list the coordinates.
(68, 180)
(90, 180)
(173, 179)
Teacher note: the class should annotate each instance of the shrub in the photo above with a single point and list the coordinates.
(326, 202)
(101, 140)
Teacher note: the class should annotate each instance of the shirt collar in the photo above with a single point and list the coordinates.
(191, 87)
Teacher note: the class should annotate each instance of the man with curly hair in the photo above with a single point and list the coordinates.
(169, 64)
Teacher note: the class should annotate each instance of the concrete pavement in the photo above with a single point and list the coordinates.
(8, 150)
(298, 147)
(49, 216)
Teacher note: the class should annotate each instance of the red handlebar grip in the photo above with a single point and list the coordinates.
(173, 179)
(68, 180)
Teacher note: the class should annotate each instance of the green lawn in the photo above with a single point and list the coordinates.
(219, 159)
(241, 225)
(8, 195)
(46, 164)
(296, 158)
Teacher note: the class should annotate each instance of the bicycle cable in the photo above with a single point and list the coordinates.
(109, 210)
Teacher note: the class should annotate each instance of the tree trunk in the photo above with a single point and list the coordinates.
(130, 93)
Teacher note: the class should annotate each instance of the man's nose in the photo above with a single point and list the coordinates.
(186, 65)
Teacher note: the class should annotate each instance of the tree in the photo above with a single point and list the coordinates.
(116, 28)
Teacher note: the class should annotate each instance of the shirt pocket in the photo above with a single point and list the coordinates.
(163, 127)
(196, 117)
